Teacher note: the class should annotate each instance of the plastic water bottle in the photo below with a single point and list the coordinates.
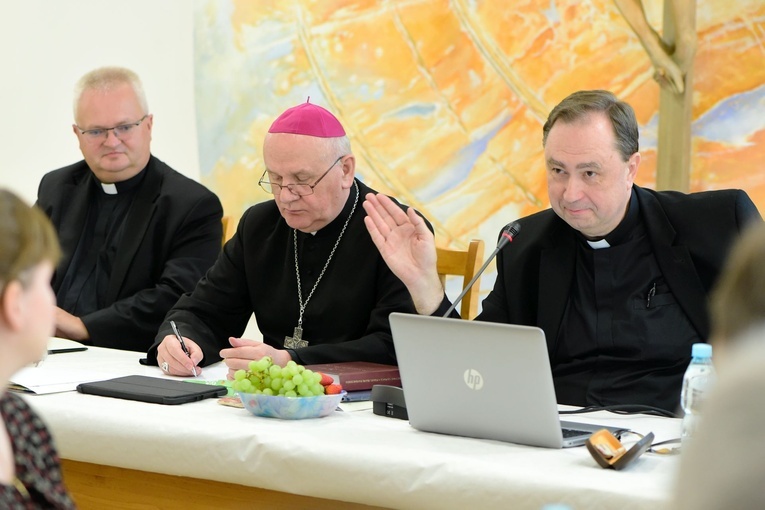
(697, 382)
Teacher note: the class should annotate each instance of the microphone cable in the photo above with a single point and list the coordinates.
(625, 409)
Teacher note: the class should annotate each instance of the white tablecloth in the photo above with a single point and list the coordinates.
(350, 456)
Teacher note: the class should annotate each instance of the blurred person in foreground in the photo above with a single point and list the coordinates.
(303, 263)
(738, 300)
(616, 275)
(723, 466)
(30, 472)
(135, 234)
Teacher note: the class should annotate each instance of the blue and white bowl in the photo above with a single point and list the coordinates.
(290, 408)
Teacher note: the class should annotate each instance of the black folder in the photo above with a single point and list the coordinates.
(152, 389)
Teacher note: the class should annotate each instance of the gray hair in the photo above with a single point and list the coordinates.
(107, 78)
(580, 104)
(339, 146)
(334, 147)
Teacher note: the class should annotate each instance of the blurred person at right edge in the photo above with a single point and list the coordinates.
(30, 471)
(724, 465)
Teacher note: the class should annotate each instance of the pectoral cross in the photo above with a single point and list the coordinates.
(295, 341)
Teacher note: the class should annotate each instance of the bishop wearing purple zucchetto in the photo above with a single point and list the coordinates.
(303, 263)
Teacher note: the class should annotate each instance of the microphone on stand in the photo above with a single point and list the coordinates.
(509, 233)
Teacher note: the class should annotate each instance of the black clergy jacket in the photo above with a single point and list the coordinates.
(690, 235)
(172, 235)
(346, 319)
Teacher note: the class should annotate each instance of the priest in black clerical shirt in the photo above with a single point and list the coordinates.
(86, 279)
(616, 275)
(135, 233)
(302, 263)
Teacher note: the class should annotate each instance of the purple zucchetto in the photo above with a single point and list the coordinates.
(309, 120)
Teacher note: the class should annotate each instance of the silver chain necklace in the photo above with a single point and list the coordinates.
(296, 340)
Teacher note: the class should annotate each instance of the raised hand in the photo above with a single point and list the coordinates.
(408, 247)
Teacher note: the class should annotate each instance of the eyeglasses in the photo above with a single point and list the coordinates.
(300, 190)
(121, 132)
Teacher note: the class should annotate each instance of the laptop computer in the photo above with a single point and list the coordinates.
(482, 380)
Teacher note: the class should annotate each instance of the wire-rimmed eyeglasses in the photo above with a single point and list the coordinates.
(122, 131)
(300, 190)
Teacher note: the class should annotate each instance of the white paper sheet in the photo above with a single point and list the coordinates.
(48, 378)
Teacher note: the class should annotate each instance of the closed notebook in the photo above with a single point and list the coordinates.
(152, 389)
(359, 375)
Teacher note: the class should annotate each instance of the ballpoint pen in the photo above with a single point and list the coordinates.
(183, 345)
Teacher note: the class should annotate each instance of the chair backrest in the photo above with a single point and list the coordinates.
(228, 229)
(463, 263)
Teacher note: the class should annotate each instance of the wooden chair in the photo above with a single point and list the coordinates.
(228, 229)
(463, 263)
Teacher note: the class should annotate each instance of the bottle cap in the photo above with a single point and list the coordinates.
(701, 351)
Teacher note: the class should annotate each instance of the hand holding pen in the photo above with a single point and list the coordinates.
(183, 346)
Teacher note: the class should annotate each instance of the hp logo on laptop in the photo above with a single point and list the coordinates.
(473, 379)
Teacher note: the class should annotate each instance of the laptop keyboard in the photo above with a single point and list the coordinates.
(574, 432)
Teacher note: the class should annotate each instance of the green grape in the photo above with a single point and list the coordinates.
(264, 377)
(291, 367)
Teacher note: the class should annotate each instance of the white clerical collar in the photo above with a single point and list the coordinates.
(599, 245)
(109, 189)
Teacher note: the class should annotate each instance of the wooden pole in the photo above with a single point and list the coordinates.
(673, 163)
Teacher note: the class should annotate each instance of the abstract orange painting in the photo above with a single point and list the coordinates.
(444, 100)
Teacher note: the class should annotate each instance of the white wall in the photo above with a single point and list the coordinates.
(46, 45)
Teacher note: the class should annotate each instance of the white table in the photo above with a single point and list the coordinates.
(230, 456)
